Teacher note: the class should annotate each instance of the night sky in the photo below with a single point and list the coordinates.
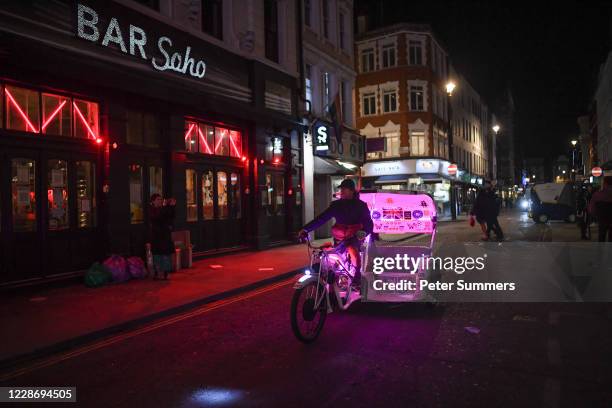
(547, 54)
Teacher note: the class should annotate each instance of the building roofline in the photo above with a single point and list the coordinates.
(399, 27)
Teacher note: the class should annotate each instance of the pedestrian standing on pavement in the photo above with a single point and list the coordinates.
(582, 213)
(492, 208)
(161, 219)
(478, 213)
(601, 208)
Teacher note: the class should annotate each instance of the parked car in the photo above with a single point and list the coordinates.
(553, 201)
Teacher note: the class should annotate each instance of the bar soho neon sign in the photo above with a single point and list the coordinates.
(87, 28)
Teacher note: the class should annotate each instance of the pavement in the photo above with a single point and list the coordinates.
(46, 320)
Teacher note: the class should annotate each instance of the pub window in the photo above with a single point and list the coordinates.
(222, 142)
(222, 195)
(135, 131)
(191, 136)
(23, 194)
(85, 119)
(85, 190)
(279, 190)
(57, 195)
(236, 211)
(136, 199)
(143, 129)
(190, 195)
(271, 29)
(156, 180)
(208, 139)
(212, 18)
(152, 130)
(235, 143)
(57, 115)
(22, 106)
(206, 135)
(208, 211)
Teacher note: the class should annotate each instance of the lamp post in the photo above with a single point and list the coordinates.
(574, 143)
(450, 87)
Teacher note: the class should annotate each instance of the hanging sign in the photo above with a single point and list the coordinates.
(88, 28)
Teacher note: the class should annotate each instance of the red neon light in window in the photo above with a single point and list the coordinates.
(234, 146)
(203, 139)
(78, 111)
(55, 112)
(223, 133)
(189, 131)
(23, 115)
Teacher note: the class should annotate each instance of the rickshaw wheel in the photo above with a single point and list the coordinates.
(306, 322)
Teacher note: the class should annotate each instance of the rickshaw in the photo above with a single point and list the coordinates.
(326, 285)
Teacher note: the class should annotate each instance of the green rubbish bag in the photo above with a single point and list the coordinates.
(97, 276)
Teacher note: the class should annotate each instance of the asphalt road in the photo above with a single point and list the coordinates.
(242, 353)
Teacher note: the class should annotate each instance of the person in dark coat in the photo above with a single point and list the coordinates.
(486, 208)
(161, 218)
(582, 214)
(493, 204)
(479, 212)
(600, 207)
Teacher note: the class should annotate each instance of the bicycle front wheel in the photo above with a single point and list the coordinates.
(306, 322)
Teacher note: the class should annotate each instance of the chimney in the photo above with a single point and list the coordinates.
(362, 24)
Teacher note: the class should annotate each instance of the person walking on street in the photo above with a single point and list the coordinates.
(582, 213)
(161, 216)
(601, 208)
(478, 213)
(492, 208)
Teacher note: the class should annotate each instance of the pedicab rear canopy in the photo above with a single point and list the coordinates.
(401, 212)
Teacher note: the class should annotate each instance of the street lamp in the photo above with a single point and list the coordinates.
(450, 87)
(574, 142)
(496, 128)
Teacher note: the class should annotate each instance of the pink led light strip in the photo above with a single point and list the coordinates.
(189, 131)
(23, 115)
(203, 139)
(234, 146)
(50, 118)
(78, 111)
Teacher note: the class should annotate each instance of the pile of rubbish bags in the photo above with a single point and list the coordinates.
(115, 269)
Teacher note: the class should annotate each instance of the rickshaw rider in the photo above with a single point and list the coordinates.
(352, 215)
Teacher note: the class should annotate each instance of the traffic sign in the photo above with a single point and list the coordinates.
(452, 169)
(596, 172)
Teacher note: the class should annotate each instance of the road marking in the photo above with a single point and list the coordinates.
(154, 326)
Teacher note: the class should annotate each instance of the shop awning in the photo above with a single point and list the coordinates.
(396, 178)
(323, 165)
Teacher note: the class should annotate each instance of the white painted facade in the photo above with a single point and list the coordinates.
(470, 128)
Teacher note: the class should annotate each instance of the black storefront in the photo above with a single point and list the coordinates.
(91, 127)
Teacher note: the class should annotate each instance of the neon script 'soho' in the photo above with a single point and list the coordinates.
(87, 28)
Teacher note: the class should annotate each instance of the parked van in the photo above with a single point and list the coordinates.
(553, 201)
